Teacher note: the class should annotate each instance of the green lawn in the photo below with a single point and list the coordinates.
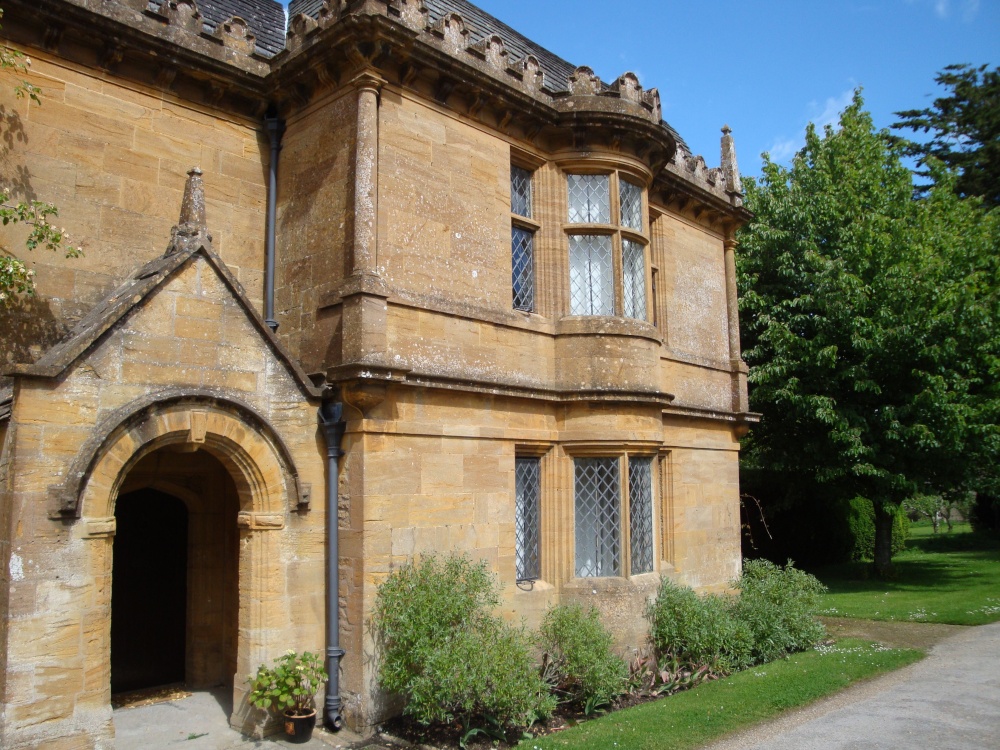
(695, 717)
(946, 577)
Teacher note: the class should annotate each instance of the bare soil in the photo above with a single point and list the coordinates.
(895, 634)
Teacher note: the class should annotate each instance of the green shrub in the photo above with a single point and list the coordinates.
(778, 606)
(697, 631)
(442, 647)
(578, 657)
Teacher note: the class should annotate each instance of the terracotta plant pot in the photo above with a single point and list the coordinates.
(299, 728)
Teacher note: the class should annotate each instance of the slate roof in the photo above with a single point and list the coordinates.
(265, 17)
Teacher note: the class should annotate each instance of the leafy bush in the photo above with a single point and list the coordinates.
(442, 647)
(290, 685)
(577, 655)
(697, 631)
(777, 606)
(772, 616)
(984, 514)
(861, 517)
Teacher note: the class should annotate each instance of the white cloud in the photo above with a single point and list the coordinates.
(830, 112)
(943, 9)
(784, 149)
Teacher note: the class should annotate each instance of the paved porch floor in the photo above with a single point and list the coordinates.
(201, 722)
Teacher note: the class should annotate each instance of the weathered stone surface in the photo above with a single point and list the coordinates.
(393, 283)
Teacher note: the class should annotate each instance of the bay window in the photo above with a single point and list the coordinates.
(607, 246)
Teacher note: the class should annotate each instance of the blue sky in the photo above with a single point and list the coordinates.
(765, 67)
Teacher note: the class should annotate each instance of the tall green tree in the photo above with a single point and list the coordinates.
(870, 324)
(965, 129)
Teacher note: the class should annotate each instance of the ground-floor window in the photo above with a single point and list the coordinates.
(606, 508)
(527, 490)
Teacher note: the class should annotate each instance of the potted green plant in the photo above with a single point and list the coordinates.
(290, 687)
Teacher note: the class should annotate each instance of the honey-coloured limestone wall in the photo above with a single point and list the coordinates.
(113, 157)
(187, 369)
(432, 472)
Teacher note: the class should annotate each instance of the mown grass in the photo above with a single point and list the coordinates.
(949, 577)
(695, 717)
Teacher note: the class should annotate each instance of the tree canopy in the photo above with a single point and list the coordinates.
(965, 129)
(871, 324)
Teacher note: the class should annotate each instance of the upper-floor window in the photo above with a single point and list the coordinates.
(607, 260)
(522, 240)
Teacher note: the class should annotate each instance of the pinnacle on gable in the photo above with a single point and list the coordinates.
(730, 169)
(191, 231)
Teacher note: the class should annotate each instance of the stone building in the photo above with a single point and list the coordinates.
(432, 288)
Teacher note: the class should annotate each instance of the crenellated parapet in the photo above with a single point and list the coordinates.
(466, 61)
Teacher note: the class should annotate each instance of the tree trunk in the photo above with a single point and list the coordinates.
(885, 516)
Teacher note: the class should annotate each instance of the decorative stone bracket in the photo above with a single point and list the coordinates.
(253, 521)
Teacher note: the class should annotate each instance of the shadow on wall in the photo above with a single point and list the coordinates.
(29, 328)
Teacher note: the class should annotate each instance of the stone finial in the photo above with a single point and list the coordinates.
(413, 13)
(492, 50)
(584, 82)
(651, 99)
(451, 28)
(182, 13)
(235, 34)
(298, 28)
(628, 87)
(329, 12)
(191, 231)
(729, 166)
(531, 72)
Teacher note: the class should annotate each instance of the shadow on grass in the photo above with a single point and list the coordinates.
(943, 561)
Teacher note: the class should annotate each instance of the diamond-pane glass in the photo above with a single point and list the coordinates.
(589, 198)
(522, 264)
(520, 192)
(591, 280)
(598, 518)
(631, 199)
(633, 280)
(640, 508)
(527, 484)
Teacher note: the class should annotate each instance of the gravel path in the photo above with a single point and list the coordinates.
(948, 701)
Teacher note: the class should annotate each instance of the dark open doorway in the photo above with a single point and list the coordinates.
(149, 591)
(175, 575)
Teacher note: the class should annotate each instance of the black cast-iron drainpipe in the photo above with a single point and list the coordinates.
(275, 129)
(331, 419)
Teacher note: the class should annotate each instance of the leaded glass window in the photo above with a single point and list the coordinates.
(527, 490)
(522, 241)
(633, 280)
(591, 275)
(640, 506)
(589, 199)
(631, 205)
(522, 262)
(598, 518)
(520, 192)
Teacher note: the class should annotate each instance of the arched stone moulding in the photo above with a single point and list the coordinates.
(244, 442)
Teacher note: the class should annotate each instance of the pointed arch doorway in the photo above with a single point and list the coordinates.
(175, 573)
